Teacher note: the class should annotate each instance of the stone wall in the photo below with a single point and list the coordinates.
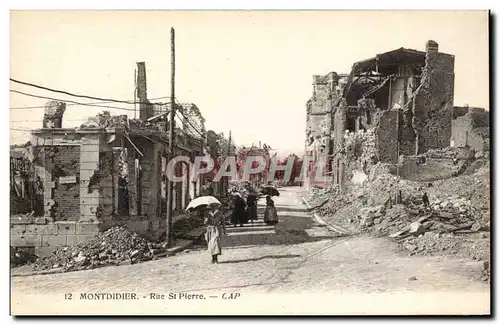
(45, 236)
(433, 101)
(319, 118)
(471, 127)
(339, 127)
(385, 128)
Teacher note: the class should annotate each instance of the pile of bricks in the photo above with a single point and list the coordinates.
(115, 246)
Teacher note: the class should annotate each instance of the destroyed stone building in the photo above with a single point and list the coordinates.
(403, 99)
(110, 171)
(471, 127)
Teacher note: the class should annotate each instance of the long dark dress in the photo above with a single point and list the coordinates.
(252, 206)
(239, 213)
(270, 214)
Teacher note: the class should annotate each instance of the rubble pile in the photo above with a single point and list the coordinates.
(115, 246)
(360, 148)
(456, 220)
(183, 226)
(412, 217)
(105, 120)
(474, 187)
(319, 196)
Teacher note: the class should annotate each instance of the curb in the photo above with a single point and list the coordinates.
(318, 219)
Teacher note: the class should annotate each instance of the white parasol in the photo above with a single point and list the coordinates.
(202, 200)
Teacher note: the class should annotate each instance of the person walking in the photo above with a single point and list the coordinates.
(239, 212)
(252, 206)
(215, 227)
(270, 214)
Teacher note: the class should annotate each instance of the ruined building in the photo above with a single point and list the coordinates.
(402, 98)
(471, 127)
(109, 171)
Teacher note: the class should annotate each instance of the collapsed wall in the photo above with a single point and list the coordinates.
(471, 127)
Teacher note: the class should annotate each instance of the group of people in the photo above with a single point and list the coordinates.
(242, 212)
(247, 211)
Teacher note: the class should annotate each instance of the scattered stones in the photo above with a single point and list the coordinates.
(112, 247)
(416, 228)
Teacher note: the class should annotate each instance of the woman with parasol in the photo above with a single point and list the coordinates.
(215, 227)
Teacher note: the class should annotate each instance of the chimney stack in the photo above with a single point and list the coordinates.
(145, 108)
(54, 112)
(432, 46)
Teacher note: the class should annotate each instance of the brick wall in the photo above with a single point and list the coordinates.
(61, 161)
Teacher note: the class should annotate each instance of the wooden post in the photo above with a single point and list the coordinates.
(226, 189)
(135, 93)
(171, 139)
(390, 94)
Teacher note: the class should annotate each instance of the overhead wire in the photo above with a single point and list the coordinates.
(70, 101)
(70, 104)
(78, 95)
(71, 120)
(188, 121)
(102, 100)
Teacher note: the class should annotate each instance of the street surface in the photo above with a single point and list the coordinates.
(295, 267)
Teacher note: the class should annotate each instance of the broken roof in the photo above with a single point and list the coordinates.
(392, 58)
(395, 57)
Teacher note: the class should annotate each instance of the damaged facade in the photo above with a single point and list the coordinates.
(109, 171)
(471, 127)
(402, 101)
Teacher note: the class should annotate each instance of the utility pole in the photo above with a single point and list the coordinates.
(171, 138)
(135, 93)
(226, 187)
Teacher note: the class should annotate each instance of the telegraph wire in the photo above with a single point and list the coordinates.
(77, 95)
(187, 120)
(101, 102)
(19, 121)
(69, 101)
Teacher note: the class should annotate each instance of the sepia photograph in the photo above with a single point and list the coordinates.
(187, 163)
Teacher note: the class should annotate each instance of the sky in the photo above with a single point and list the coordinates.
(248, 72)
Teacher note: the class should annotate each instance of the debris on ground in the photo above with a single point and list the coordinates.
(320, 196)
(115, 246)
(449, 216)
(183, 226)
(20, 256)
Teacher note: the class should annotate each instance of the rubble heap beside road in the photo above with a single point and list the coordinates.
(115, 246)
(456, 221)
